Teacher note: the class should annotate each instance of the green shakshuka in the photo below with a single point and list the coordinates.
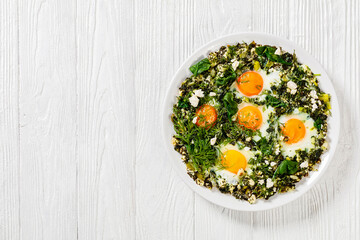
(251, 121)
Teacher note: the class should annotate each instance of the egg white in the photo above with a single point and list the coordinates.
(228, 176)
(271, 79)
(307, 142)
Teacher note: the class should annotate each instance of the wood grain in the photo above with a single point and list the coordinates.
(82, 84)
(47, 120)
(106, 119)
(164, 38)
(9, 122)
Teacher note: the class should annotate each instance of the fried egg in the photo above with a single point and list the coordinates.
(297, 133)
(253, 83)
(234, 162)
(254, 117)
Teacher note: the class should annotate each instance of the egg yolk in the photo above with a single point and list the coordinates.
(293, 130)
(206, 116)
(250, 117)
(233, 160)
(250, 83)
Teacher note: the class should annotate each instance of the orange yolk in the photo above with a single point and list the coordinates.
(206, 116)
(233, 160)
(250, 117)
(250, 83)
(294, 130)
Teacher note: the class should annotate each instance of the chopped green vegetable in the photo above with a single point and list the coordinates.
(200, 67)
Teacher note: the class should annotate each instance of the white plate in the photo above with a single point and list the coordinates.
(226, 200)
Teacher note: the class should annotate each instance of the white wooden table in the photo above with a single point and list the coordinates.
(81, 88)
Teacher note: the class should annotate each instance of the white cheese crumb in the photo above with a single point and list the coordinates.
(256, 138)
(313, 101)
(314, 107)
(252, 199)
(213, 140)
(194, 101)
(291, 85)
(261, 181)
(278, 51)
(234, 65)
(293, 91)
(180, 93)
(199, 93)
(272, 164)
(251, 182)
(249, 171)
(269, 183)
(194, 120)
(296, 111)
(304, 164)
(248, 139)
(313, 94)
(246, 148)
(277, 151)
(266, 162)
(212, 94)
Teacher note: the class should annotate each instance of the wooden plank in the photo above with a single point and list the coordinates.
(106, 119)
(164, 38)
(9, 121)
(47, 120)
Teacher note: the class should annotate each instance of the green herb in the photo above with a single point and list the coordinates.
(265, 146)
(200, 67)
(269, 52)
(274, 102)
(318, 122)
(202, 154)
(183, 103)
(287, 167)
(230, 104)
(230, 76)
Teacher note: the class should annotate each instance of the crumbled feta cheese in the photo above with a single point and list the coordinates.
(249, 171)
(272, 164)
(269, 183)
(266, 162)
(313, 94)
(192, 141)
(199, 93)
(234, 65)
(256, 138)
(261, 181)
(252, 199)
(278, 51)
(291, 85)
(293, 91)
(248, 139)
(180, 93)
(212, 94)
(277, 150)
(213, 140)
(246, 148)
(194, 120)
(194, 101)
(314, 107)
(296, 111)
(251, 182)
(304, 164)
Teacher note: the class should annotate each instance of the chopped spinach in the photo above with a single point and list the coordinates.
(200, 67)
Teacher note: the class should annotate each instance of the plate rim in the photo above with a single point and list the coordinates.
(268, 204)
